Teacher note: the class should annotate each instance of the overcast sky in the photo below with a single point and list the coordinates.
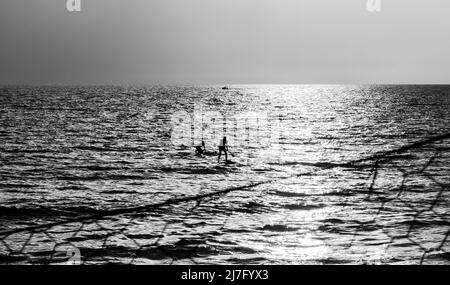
(224, 42)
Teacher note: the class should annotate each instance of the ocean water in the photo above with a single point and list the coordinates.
(72, 151)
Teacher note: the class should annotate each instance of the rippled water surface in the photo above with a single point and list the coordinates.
(69, 151)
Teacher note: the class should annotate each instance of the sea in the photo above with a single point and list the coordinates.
(314, 174)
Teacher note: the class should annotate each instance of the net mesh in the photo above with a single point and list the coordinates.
(157, 233)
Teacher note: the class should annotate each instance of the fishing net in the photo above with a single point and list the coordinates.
(411, 181)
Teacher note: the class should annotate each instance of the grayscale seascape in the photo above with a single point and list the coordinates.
(304, 186)
(238, 133)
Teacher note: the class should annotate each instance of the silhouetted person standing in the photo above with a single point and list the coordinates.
(223, 147)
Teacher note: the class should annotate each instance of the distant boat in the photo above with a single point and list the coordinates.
(225, 88)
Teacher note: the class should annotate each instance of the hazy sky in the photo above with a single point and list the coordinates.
(224, 41)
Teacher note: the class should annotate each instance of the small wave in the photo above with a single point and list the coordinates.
(331, 229)
(304, 207)
(289, 194)
(243, 249)
(145, 236)
(294, 194)
(252, 208)
(332, 260)
(327, 137)
(101, 168)
(200, 171)
(82, 210)
(252, 260)
(125, 177)
(312, 164)
(238, 231)
(138, 183)
(104, 177)
(74, 188)
(424, 224)
(90, 148)
(168, 169)
(13, 185)
(41, 211)
(30, 151)
(122, 162)
(119, 192)
(338, 193)
(333, 221)
(15, 211)
(278, 228)
(108, 149)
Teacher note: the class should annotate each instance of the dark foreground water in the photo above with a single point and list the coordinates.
(71, 151)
